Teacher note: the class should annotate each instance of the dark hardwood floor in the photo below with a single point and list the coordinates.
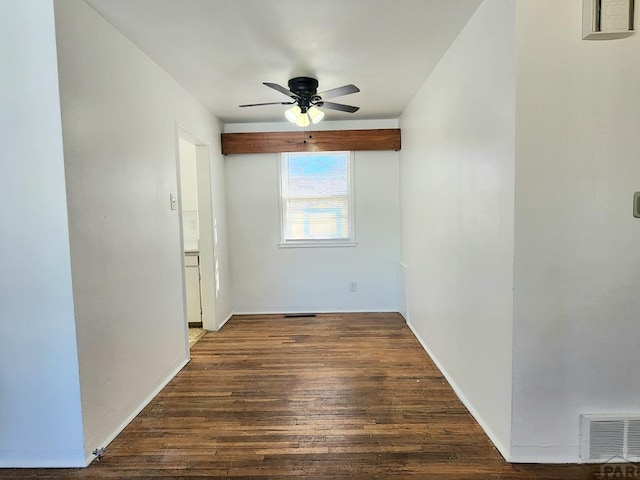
(337, 396)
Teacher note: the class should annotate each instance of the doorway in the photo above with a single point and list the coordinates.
(197, 227)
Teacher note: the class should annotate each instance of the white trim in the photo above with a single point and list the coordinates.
(280, 161)
(546, 454)
(204, 162)
(316, 244)
(503, 449)
(351, 171)
(225, 321)
(305, 311)
(89, 457)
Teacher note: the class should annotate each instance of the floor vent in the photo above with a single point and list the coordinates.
(300, 315)
(610, 438)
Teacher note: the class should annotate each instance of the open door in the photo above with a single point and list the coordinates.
(198, 230)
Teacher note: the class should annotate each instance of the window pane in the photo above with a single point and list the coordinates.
(316, 196)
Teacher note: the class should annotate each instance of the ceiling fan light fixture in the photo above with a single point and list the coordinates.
(293, 113)
(303, 120)
(315, 114)
(303, 95)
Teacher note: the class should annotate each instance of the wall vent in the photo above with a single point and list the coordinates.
(609, 438)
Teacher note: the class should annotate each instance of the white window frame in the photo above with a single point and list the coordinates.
(306, 243)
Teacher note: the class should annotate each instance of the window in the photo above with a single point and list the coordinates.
(316, 199)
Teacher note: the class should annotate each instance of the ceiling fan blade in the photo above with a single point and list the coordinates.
(337, 106)
(340, 91)
(269, 103)
(281, 89)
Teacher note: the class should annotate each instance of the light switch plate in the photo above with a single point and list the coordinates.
(173, 200)
(636, 204)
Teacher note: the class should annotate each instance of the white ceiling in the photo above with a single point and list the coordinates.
(222, 50)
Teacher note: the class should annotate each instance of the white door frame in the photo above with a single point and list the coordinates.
(207, 223)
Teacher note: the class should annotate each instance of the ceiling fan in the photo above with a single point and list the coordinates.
(307, 101)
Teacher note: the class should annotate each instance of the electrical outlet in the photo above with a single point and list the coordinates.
(353, 287)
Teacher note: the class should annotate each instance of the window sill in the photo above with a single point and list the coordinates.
(317, 244)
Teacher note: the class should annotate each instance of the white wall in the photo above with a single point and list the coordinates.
(457, 201)
(40, 417)
(577, 259)
(268, 279)
(285, 126)
(120, 114)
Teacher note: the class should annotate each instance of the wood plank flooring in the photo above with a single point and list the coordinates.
(332, 397)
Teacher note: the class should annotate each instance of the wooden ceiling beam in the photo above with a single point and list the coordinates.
(320, 141)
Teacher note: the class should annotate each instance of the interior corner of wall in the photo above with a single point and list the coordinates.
(221, 324)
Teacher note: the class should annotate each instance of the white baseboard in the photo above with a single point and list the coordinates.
(547, 454)
(89, 457)
(309, 311)
(225, 321)
(503, 449)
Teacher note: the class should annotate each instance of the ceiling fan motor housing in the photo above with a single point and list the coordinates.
(306, 88)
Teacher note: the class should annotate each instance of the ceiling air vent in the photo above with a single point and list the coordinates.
(609, 438)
